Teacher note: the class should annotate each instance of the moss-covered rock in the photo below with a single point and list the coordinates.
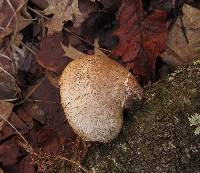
(157, 136)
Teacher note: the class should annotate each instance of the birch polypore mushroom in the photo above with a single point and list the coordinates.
(94, 90)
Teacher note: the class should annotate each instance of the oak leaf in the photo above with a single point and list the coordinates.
(141, 37)
(183, 48)
(51, 55)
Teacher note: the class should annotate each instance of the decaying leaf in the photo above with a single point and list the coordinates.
(97, 50)
(26, 165)
(72, 52)
(8, 85)
(62, 10)
(11, 19)
(9, 153)
(5, 111)
(141, 37)
(1, 170)
(51, 55)
(48, 109)
(178, 51)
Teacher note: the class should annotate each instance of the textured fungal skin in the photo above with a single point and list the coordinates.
(93, 92)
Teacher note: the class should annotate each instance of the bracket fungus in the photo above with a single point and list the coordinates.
(94, 91)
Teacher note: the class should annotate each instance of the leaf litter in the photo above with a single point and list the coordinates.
(182, 49)
(50, 35)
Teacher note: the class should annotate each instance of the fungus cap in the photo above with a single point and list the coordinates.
(94, 90)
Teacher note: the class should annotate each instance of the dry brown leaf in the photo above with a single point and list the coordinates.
(141, 37)
(72, 52)
(75, 54)
(8, 85)
(1, 170)
(53, 79)
(97, 51)
(5, 112)
(178, 51)
(51, 55)
(8, 21)
(63, 10)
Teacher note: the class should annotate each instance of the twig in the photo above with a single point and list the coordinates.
(9, 100)
(73, 162)
(43, 101)
(23, 138)
(38, 13)
(7, 73)
(5, 56)
(30, 149)
(31, 92)
(16, 23)
(86, 41)
(183, 29)
(2, 28)
(28, 48)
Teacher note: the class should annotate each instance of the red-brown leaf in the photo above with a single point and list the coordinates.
(141, 37)
(9, 153)
(51, 55)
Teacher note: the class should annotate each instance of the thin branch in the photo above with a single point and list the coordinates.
(7, 73)
(86, 41)
(73, 162)
(5, 56)
(31, 92)
(43, 101)
(38, 13)
(16, 23)
(23, 138)
(9, 100)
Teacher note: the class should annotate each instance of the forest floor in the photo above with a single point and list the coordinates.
(152, 39)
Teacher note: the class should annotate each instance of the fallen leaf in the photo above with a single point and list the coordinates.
(6, 63)
(8, 85)
(71, 52)
(47, 140)
(26, 165)
(10, 22)
(178, 51)
(97, 50)
(51, 55)
(163, 5)
(9, 153)
(5, 112)
(141, 37)
(48, 103)
(63, 10)
(7, 131)
(29, 111)
(53, 79)
(85, 8)
(1, 170)
(110, 3)
(18, 123)
(97, 20)
(75, 54)
(40, 4)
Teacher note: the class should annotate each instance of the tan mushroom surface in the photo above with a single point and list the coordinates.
(94, 90)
